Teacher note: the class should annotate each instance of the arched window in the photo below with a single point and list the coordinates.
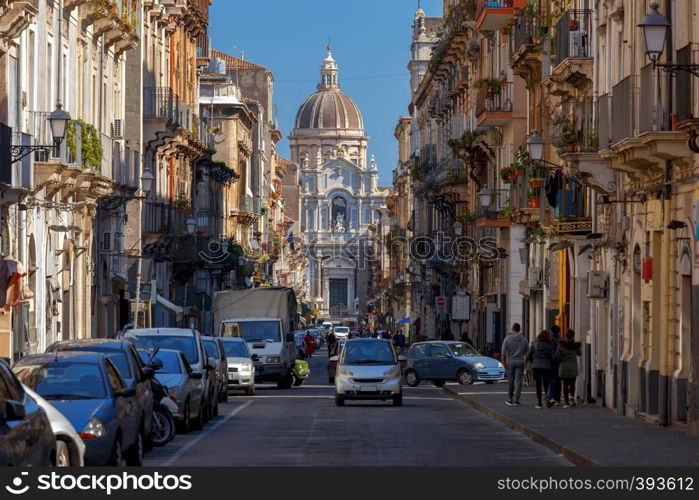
(339, 215)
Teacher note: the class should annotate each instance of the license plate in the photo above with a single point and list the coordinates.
(367, 388)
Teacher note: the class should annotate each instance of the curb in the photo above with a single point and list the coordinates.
(567, 453)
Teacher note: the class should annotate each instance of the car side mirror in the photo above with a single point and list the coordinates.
(196, 375)
(14, 410)
(127, 393)
(255, 357)
(402, 358)
(334, 358)
(148, 373)
(210, 364)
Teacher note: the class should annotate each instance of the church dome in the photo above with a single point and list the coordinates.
(328, 108)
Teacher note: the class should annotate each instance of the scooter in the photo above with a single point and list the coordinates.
(163, 408)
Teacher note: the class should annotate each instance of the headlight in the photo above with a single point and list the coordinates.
(500, 365)
(246, 367)
(393, 371)
(274, 359)
(93, 429)
(480, 366)
(345, 372)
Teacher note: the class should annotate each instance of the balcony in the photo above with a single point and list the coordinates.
(249, 211)
(494, 106)
(156, 218)
(117, 20)
(497, 213)
(160, 103)
(573, 62)
(525, 49)
(623, 109)
(492, 15)
(15, 16)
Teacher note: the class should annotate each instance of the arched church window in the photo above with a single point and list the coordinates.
(339, 215)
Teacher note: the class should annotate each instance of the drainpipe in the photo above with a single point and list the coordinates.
(665, 303)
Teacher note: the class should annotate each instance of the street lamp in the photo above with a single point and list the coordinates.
(191, 225)
(58, 120)
(485, 196)
(535, 146)
(655, 27)
(147, 182)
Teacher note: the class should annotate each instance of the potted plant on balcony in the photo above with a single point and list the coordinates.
(506, 174)
(534, 197)
(492, 84)
(536, 177)
(573, 24)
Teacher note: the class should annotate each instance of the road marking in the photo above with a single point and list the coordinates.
(491, 393)
(331, 397)
(208, 431)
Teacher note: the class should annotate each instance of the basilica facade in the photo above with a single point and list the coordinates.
(340, 195)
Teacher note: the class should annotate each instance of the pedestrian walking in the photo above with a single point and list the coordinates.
(567, 356)
(514, 351)
(541, 355)
(331, 341)
(310, 344)
(554, 392)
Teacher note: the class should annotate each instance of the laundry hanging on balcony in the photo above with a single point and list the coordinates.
(12, 289)
(552, 187)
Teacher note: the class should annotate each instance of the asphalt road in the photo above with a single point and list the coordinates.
(303, 427)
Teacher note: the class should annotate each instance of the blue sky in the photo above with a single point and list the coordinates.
(371, 44)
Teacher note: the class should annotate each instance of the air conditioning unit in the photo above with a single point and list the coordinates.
(535, 277)
(107, 242)
(597, 284)
(118, 129)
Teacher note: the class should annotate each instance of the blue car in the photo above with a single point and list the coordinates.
(88, 390)
(440, 361)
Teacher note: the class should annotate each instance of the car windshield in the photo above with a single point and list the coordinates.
(370, 353)
(463, 350)
(341, 329)
(63, 380)
(117, 357)
(187, 345)
(170, 360)
(253, 331)
(236, 349)
(211, 348)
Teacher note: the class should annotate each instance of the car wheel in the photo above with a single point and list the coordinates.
(464, 377)
(439, 382)
(250, 391)
(214, 408)
(62, 454)
(398, 400)
(298, 381)
(286, 382)
(198, 422)
(186, 424)
(331, 380)
(224, 394)
(134, 455)
(339, 400)
(164, 424)
(412, 378)
(117, 457)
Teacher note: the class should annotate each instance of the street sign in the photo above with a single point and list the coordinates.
(441, 303)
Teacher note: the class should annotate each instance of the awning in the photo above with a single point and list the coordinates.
(175, 309)
(404, 320)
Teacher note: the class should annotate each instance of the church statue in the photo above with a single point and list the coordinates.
(339, 226)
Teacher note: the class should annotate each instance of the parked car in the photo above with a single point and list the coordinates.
(136, 375)
(333, 357)
(440, 361)
(368, 369)
(188, 341)
(214, 348)
(70, 449)
(183, 384)
(88, 390)
(241, 369)
(26, 437)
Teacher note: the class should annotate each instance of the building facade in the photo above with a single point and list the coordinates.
(340, 195)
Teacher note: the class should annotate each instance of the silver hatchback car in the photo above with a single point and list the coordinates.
(368, 369)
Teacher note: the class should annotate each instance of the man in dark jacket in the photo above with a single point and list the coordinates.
(541, 356)
(514, 349)
(554, 392)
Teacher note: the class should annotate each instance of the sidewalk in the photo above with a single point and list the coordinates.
(586, 434)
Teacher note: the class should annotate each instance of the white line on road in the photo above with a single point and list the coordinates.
(211, 429)
(331, 397)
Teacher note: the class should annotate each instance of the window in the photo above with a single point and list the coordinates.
(418, 351)
(438, 351)
(115, 379)
(211, 349)
(64, 380)
(339, 215)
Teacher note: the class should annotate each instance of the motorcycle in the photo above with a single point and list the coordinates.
(162, 424)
